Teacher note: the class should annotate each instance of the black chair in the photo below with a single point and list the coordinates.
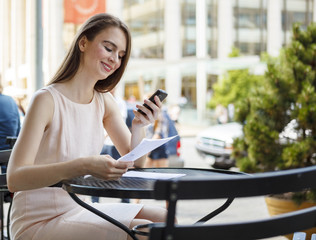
(11, 140)
(230, 187)
(4, 193)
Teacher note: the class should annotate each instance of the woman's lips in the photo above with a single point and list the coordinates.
(107, 67)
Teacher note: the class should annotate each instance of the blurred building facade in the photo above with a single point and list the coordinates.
(181, 46)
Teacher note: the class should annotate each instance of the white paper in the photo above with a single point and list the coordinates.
(152, 175)
(145, 146)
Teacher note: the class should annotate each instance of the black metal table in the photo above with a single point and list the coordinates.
(131, 187)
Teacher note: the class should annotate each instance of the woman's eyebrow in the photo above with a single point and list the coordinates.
(113, 44)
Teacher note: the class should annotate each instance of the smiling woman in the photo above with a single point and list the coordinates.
(62, 137)
(71, 62)
(103, 56)
(112, 48)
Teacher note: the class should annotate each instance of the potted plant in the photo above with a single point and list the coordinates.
(279, 116)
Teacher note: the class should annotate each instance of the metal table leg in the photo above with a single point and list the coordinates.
(103, 215)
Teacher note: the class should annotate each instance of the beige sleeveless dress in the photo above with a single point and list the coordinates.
(49, 213)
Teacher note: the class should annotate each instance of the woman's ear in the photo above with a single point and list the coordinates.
(82, 43)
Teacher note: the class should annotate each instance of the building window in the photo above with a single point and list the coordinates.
(188, 14)
(212, 16)
(295, 11)
(145, 19)
(188, 91)
(250, 26)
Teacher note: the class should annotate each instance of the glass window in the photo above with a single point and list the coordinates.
(146, 22)
(250, 26)
(212, 16)
(188, 14)
(295, 11)
(188, 90)
(189, 48)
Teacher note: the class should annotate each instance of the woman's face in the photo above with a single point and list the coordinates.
(102, 56)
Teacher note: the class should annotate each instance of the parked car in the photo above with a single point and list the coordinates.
(173, 146)
(216, 142)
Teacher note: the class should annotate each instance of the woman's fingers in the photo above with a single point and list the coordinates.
(158, 102)
(149, 116)
(106, 167)
(121, 164)
(118, 170)
(143, 119)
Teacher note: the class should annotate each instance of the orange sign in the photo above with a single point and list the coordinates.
(77, 11)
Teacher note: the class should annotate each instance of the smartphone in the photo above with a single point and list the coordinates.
(160, 93)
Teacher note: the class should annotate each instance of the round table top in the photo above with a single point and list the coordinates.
(133, 187)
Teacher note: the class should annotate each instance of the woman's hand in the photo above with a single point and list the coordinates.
(105, 167)
(143, 120)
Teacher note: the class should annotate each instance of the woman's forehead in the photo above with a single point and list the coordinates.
(115, 36)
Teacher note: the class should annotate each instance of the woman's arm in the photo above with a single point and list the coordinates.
(24, 174)
(115, 126)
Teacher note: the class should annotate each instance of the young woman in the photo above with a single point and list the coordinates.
(62, 137)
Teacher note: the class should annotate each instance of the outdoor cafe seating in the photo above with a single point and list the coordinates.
(207, 184)
(227, 186)
(233, 186)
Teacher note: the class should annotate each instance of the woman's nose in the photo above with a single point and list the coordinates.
(114, 58)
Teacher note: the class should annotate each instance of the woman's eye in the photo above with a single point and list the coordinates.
(108, 49)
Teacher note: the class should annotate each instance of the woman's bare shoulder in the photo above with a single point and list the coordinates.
(42, 101)
(43, 96)
(109, 102)
(40, 111)
(107, 96)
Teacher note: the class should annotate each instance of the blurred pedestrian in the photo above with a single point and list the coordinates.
(9, 127)
(9, 119)
(174, 112)
(157, 158)
(159, 130)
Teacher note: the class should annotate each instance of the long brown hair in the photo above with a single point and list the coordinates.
(90, 29)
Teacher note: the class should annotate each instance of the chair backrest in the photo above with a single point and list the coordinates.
(235, 186)
(4, 159)
(11, 140)
(4, 156)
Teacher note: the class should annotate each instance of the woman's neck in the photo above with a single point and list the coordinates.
(77, 91)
